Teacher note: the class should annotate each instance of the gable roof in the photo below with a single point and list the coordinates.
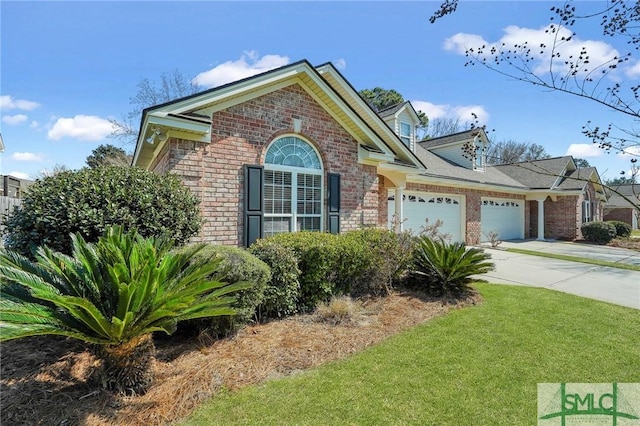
(440, 167)
(617, 199)
(453, 138)
(394, 109)
(189, 117)
(538, 174)
(391, 110)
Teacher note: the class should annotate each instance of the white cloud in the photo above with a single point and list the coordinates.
(466, 114)
(459, 43)
(34, 124)
(584, 150)
(538, 42)
(630, 151)
(13, 120)
(81, 127)
(7, 102)
(249, 64)
(340, 64)
(633, 71)
(433, 111)
(463, 113)
(26, 156)
(20, 175)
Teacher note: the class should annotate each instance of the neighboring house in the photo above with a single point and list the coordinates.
(297, 148)
(620, 205)
(13, 187)
(12, 190)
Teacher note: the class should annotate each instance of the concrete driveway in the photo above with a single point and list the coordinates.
(613, 285)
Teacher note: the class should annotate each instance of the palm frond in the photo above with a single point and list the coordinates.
(111, 291)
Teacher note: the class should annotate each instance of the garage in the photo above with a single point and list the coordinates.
(505, 216)
(419, 206)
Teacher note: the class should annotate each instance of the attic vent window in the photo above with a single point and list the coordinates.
(478, 156)
(405, 133)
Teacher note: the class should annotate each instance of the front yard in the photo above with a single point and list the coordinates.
(404, 359)
(478, 365)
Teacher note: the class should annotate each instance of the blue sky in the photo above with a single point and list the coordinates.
(67, 67)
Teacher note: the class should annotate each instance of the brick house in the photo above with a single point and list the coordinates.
(620, 205)
(297, 148)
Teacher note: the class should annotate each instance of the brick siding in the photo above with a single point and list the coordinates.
(241, 134)
(622, 214)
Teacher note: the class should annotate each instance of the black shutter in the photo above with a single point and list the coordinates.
(334, 203)
(253, 204)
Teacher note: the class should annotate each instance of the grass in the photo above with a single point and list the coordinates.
(635, 233)
(617, 265)
(477, 365)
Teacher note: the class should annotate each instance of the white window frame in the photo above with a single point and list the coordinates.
(586, 208)
(408, 138)
(295, 172)
(479, 160)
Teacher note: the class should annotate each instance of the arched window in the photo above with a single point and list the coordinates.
(293, 190)
(586, 207)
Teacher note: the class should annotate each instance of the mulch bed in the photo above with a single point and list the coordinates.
(48, 380)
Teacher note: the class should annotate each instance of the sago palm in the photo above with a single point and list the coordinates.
(446, 268)
(115, 294)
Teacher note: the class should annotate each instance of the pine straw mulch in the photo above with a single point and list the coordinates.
(627, 243)
(47, 380)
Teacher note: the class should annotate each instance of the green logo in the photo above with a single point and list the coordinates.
(563, 404)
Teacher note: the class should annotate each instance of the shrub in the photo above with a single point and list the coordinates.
(115, 294)
(283, 291)
(371, 260)
(87, 201)
(237, 265)
(598, 232)
(338, 310)
(623, 229)
(317, 255)
(445, 269)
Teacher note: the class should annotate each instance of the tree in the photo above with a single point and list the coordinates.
(571, 71)
(510, 151)
(438, 127)
(108, 155)
(172, 86)
(622, 180)
(379, 99)
(114, 294)
(581, 163)
(87, 201)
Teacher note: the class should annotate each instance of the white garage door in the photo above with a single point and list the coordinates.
(504, 216)
(419, 206)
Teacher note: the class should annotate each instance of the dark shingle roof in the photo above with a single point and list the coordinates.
(616, 199)
(537, 174)
(577, 179)
(391, 110)
(445, 140)
(438, 166)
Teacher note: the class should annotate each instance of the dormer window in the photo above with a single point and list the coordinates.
(405, 133)
(479, 156)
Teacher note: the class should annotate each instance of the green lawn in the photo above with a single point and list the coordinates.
(478, 365)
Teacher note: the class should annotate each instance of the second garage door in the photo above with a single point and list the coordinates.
(505, 216)
(419, 206)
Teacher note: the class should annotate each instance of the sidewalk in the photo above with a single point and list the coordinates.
(613, 285)
(591, 251)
